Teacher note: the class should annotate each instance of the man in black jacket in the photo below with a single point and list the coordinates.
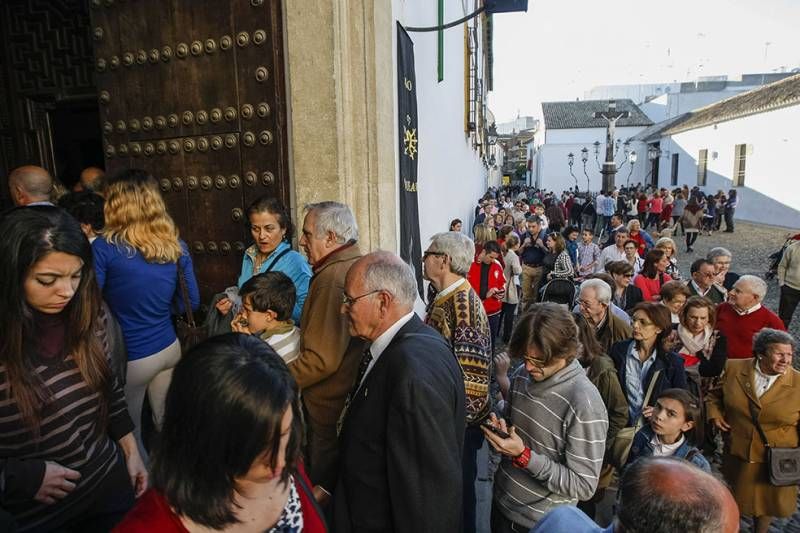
(402, 427)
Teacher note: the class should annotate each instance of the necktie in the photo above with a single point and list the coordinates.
(366, 359)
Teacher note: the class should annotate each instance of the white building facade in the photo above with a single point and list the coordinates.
(747, 143)
(569, 127)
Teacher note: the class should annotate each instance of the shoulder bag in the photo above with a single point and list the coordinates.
(621, 447)
(189, 333)
(783, 464)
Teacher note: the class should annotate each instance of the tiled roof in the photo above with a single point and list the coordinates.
(580, 114)
(654, 132)
(776, 95)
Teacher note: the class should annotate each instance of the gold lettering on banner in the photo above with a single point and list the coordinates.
(410, 142)
(409, 185)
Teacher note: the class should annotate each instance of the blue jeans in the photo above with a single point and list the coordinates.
(478, 480)
(494, 328)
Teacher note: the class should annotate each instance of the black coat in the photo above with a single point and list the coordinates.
(401, 440)
(632, 296)
(670, 364)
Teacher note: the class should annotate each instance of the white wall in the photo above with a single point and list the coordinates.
(770, 194)
(451, 175)
(551, 171)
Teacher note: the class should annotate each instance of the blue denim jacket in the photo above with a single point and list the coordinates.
(641, 447)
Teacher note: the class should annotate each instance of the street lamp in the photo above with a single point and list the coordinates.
(585, 158)
(597, 154)
(570, 162)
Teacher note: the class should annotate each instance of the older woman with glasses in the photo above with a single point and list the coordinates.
(766, 389)
(632, 256)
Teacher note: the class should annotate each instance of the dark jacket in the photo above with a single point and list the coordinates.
(669, 363)
(603, 375)
(401, 440)
(631, 296)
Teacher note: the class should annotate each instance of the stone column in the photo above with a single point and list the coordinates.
(341, 96)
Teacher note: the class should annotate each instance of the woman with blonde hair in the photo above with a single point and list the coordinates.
(668, 246)
(138, 259)
(483, 234)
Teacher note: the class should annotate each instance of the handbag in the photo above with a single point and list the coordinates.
(621, 447)
(783, 464)
(187, 330)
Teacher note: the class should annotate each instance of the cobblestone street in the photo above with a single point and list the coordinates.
(751, 246)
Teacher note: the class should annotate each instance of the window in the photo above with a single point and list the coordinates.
(702, 167)
(673, 179)
(739, 157)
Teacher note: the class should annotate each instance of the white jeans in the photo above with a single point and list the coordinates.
(151, 375)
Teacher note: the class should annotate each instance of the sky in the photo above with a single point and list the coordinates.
(561, 48)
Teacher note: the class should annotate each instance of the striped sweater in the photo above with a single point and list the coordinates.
(69, 435)
(285, 342)
(564, 422)
(461, 319)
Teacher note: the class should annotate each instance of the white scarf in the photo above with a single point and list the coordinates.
(692, 345)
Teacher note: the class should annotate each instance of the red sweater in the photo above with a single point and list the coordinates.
(651, 287)
(152, 513)
(497, 280)
(740, 329)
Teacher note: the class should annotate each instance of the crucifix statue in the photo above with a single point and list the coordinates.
(611, 116)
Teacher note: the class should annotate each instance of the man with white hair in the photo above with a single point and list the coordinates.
(458, 314)
(594, 300)
(742, 316)
(30, 185)
(328, 360)
(403, 423)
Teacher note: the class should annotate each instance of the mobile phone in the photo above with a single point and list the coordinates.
(497, 431)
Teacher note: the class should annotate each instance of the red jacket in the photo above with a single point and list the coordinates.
(152, 513)
(497, 280)
(740, 329)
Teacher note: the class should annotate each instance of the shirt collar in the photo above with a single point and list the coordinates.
(751, 310)
(379, 345)
(697, 288)
(450, 288)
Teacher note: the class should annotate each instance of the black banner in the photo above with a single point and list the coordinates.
(410, 247)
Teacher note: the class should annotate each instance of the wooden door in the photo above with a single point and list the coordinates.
(193, 91)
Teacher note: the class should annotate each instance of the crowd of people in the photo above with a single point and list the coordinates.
(545, 368)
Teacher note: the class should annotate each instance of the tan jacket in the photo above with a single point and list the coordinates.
(328, 362)
(778, 410)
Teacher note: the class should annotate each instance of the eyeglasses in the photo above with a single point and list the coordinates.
(535, 362)
(436, 254)
(348, 300)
